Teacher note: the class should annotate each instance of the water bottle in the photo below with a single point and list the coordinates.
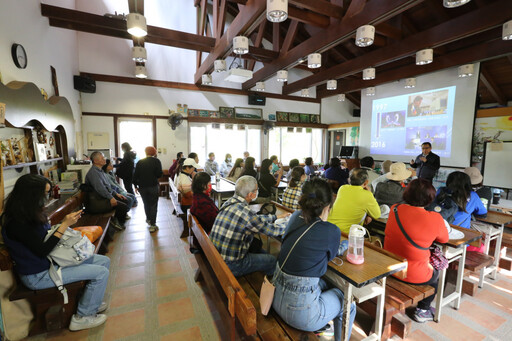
(217, 177)
(355, 254)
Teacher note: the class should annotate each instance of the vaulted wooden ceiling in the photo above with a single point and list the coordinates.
(461, 35)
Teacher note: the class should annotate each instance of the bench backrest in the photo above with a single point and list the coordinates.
(71, 204)
(239, 304)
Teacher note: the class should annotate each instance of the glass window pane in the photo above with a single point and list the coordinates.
(254, 143)
(138, 133)
(198, 142)
(274, 144)
(316, 146)
(222, 141)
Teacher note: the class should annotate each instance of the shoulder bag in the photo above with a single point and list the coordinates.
(437, 259)
(268, 288)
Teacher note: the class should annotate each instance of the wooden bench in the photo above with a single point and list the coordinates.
(242, 295)
(163, 182)
(175, 197)
(48, 307)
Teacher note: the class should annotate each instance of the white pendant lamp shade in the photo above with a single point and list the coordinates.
(424, 57)
(139, 54)
(240, 45)
(370, 91)
(332, 84)
(454, 3)
(277, 10)
(410, 83)
(206, 79)
(282, 76)
(466, 70)
(314, 60)
(507, 31)
(140, 71)
(369, 73)
(365, 35)
(260, 86)
(136, 25)
(304, 93)
(341, 98)
(219, 65)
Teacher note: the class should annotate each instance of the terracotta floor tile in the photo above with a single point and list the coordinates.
(124, 325)
(66, 335)
(496, 300)
(130, 275)
(503, 286)
(175, 311)
(188, 334)
(455, 330)
(167, 267)
(128, 295)
(135, 236)
(418, 335)
(132, 258)
(169, 286)
(163, 232)
(166, 253)
(134, 246)
(193, 263)
(480, 315)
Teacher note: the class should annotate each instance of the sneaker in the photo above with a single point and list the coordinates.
(127, 216)
(103, 307)
(153, 228)
(86, 322)
(117, 225)
(423, 316)
(321, 331)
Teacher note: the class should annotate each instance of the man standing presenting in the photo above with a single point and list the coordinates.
(427, 162)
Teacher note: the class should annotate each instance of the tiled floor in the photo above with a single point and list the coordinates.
(153, 296)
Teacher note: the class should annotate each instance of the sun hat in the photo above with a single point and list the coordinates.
(191, 162)
(398, 172)
(474, 175)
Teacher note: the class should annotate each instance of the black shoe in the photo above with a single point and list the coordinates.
(324, 328)
(194, 250)
(117, 225)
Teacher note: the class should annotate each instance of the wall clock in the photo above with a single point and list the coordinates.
(19, 56)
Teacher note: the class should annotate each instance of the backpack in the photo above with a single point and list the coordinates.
(444, 205)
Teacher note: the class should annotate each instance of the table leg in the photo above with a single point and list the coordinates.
(460, 277)
(379, 314)
(219, 199)
(347, 303)
(497, 252)
(440, 291)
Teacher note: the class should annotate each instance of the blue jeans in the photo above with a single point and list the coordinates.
(95, 270)
(130, 199)
(253, 262)
(307, 304)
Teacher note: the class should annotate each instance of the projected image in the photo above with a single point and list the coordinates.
(436, 135)
(394, 119)
(430, 103)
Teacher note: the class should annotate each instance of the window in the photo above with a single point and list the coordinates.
(227, 138)
(289, 144)
(138, 133)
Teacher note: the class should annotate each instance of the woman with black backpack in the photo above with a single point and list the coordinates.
(125, 168)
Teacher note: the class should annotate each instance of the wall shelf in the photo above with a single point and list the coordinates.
(28, 164)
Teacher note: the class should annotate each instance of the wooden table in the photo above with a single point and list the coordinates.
(504, 205)
(222, 187)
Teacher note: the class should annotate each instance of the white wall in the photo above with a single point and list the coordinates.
(337, 112)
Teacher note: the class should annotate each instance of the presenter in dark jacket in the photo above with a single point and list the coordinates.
(145, 179)
(427, 162)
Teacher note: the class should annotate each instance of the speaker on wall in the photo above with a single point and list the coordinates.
(255, 99)
(356, 113)
(84, 84)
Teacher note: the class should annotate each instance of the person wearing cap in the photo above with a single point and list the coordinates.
(484, 192)
(390, 192)
(427, 162)
(211, 166)
(145, 179)
(184, 182)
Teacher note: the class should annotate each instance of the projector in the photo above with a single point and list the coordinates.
(238, 75)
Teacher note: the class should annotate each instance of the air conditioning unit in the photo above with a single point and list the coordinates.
(238, 75)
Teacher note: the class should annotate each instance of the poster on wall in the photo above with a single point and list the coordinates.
(488, 129)
(353, 136)
(282, 116)
(314, 118)
(248, 113)
(227, 112)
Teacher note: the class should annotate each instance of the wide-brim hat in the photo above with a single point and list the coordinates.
(398, 172)
(191, 162)
(474, 174)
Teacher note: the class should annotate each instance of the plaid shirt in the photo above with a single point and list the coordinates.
(235, 225)
(291, 196)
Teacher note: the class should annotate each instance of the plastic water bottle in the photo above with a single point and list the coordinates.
(217, 177)
(355, 254)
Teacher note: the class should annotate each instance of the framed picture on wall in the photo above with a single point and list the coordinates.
(227, 112)
(294, 117)
(282, 116)
(204, 113)
(248, 113)
(314, 118)
(304, 118)
(193, 112)
(213, 114)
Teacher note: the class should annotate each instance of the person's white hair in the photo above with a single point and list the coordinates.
(245, 185)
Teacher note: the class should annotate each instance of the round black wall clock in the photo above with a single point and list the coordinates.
(19, 56)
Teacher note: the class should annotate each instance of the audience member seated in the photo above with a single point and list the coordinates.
(337, 172)
(354, 203)
(103, 197)
(423, 227)
(145, 179)
(179, 168)
(302, 298)
(203, 207)
(266, 182)
(484, 192)
(249, 167)
(211, 166)
(108, 168)
(309, 168)
(25, 227)
(196, 159)
(234, 228)
(368, 164)
(236, 171)
(384, 170)
(226, 166)
(293, 163)
(390, 192)
(276, 165)
(184, 182)
(293, 192)
(174, 167)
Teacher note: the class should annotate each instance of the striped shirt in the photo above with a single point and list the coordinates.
(235, 225)
(291, 196)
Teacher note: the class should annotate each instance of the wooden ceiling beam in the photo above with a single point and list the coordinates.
(491, 85)
(308, 17)
(355, 99)
(276, 37)
(320, 7)
(136, 6)
(374, 13)
(290, 36)
(389, 31)
(462, 26)
(489, 50)
(355, 7)
(222, 19)
(257, 42)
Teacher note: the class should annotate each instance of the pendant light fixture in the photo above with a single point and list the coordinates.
(314, 60)
(424, 57)
(304, 93)
(466, 70)
(332, 84)
(139, 54)
(282, 76)
(277, 10)
(240, 45)
(365, 35)
(370, 91)
(219, 65)
(507, 31)
(454, 3)
(341, 98)
(369, 73)
(140, 71)
(410, 83)
(206, 79)
(136, 25)
(260, 86)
